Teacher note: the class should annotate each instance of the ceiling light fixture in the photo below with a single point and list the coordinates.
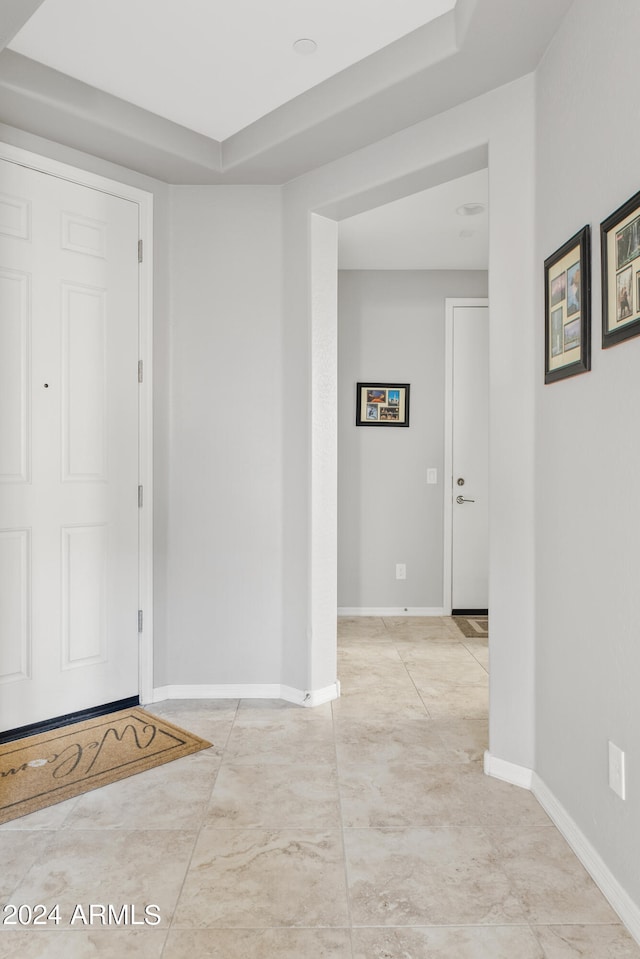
(305, 46)
(470, 209)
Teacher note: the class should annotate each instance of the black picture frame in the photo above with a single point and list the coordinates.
(620, 253)
(567, 308)
(382, 404)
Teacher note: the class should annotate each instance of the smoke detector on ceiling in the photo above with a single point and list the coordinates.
(305, 46)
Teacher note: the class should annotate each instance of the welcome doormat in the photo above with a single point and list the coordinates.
(473, 626)
(57, 765)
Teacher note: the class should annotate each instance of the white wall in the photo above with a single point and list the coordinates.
(587, 450)
(218, 396)
(217, 425)
(246, 516)
(224, 603)
(391, 328)
(503, 119)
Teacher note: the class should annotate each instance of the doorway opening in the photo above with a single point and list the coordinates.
(396, 277)
(395, 486)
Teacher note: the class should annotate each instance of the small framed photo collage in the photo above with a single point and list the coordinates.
(567, 283)
(567, 309)
(382, 404)
(620, 247)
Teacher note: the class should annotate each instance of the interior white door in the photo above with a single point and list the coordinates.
(470, 459)
(68, 447)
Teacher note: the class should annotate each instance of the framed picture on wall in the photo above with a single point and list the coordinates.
(382, 404)
(567, 295)
(620, 249)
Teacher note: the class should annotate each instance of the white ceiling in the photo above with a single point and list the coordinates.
(136, 82)
(422, 231)
(213, 66)
(216, 67)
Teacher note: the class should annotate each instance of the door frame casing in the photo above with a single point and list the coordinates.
(144, 202)
(447, 478)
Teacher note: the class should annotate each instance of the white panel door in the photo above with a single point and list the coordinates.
(470, 452)
(68, 447)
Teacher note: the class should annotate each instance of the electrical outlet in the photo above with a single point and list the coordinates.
(401, 571)
(617, 772)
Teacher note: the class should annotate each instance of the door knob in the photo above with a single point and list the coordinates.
(461, 499)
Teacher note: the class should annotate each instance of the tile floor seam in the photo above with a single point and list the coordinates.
(476, 658)
(187, 869)
(426, 708)
(411, 679)
(574, 922)
(164, 944)
(226, 742)
(199, 830)
(342, 837)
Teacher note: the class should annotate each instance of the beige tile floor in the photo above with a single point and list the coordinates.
(363, 829)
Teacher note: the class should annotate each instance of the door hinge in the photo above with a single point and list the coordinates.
(141, 496)
(140, 617)
(140, 371)
(139, 251)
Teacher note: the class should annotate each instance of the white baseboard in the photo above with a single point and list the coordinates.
(508, 772)
(317, 697)
(312, 697)
(619, 899)
(391, 611)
